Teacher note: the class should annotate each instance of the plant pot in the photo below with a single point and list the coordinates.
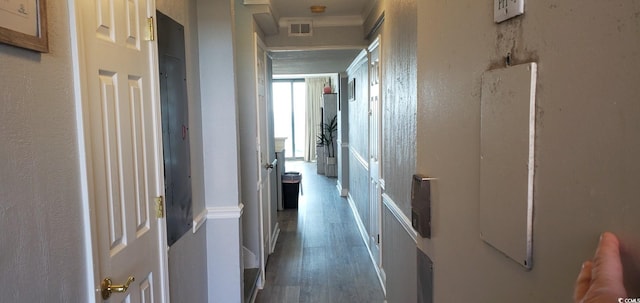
(320, 160)
(330, 167)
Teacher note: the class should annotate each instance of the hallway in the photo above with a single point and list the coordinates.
(319, 256)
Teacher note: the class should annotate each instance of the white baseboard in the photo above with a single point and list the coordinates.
(342, 191)
(274, 238)
(250, 260)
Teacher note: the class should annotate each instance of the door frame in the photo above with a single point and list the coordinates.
(264, 186)
(89, 220)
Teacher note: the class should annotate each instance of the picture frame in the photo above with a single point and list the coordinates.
(23, 23)
(351, 89)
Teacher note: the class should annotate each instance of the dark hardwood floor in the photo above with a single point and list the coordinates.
(319, 256)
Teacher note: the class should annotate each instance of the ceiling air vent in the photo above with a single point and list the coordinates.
(300, 29)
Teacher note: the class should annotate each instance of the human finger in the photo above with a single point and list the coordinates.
(583, 282)
(607, 266)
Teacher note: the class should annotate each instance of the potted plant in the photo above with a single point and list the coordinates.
(327, 140)
(320, 154)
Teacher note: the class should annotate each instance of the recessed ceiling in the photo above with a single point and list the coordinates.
(317, 61)
(301, 8)
(313, 62)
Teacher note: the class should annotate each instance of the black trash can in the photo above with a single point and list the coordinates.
(291, 189)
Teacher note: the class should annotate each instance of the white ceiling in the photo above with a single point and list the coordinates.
(312, 62)
(317, 61)
(301, 8)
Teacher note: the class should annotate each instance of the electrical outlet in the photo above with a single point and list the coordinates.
(507, 9)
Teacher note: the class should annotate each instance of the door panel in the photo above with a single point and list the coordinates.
(121, 126)
(375, 191)
(264, 160)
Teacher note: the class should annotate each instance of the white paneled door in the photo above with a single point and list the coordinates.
(265, 166)
(375, 190)
(118, 69)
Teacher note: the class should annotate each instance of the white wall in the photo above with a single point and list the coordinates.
(588, 121)
(187, 257)
(323, 37)
(41, 217)
(221, 158)
(187, 270)
(399, 260)
(246, 81)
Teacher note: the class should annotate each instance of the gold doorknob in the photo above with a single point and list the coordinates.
(108, 287)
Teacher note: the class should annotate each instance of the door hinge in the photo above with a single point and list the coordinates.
(160, 207)
(150, 29)
(378, 238)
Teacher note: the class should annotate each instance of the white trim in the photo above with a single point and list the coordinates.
(358, 157)
(250, 2)
(374, 44)
(363, 230)
(163, 246)
(532, 164)
(365, 239)
(274, 238)
(314, 48)
(77, 51)
(342, 191)
(254, 295)
(382, 276)
(362, 58)
(199, 220)
(249, 258)
(225, 212)
(400, 216)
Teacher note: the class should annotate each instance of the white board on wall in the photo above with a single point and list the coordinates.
(507, 145)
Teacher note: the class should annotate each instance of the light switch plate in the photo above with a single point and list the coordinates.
(507, 9)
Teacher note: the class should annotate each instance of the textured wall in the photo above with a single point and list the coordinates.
(588, 120)
(359, 140)
(359, 189)
(174, 9)
(399, 100)
(359, 111)
(398, 92)
(41, 235)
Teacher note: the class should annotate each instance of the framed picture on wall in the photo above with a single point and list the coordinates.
(351, 89)
(23, 23)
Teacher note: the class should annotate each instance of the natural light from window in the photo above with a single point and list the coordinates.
(289, 114)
